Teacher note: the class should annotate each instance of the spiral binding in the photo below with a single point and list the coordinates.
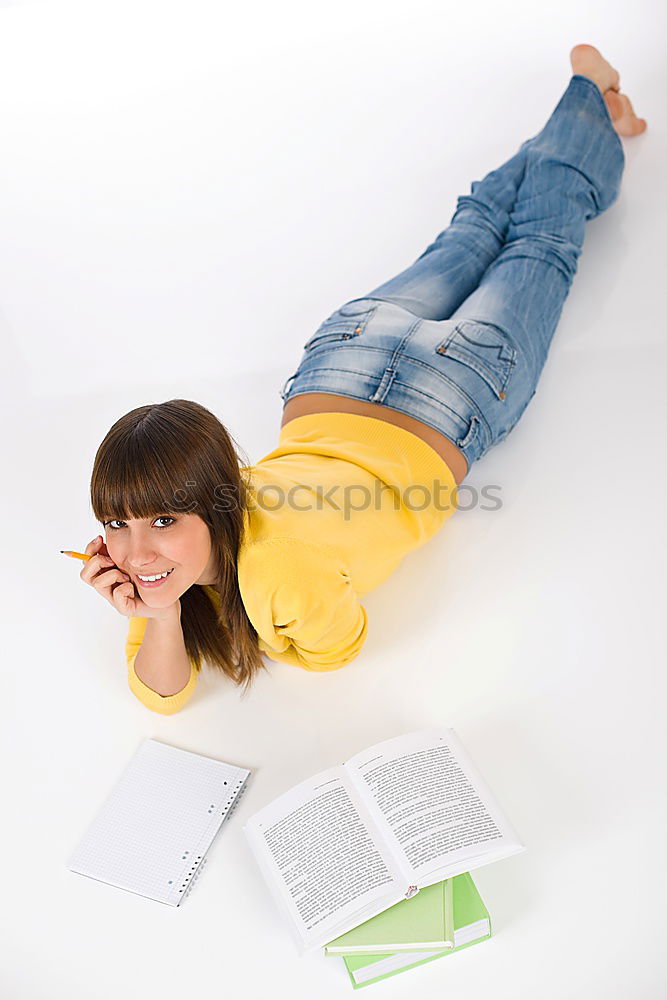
(186, 892)
(228, 812)
(237, 800)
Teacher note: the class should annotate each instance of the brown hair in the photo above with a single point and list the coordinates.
(176, 457)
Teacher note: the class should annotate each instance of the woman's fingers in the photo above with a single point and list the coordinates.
(105, 581)
(94, 566)
(95, 546)
(123, 598)
(99, 561)
(116, 588)
(101, 573)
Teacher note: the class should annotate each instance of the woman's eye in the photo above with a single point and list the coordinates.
(165, 519)
(120, 524)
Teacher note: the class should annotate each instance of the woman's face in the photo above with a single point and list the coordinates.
(180, 543)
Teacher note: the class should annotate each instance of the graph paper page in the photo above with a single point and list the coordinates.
(152, 832)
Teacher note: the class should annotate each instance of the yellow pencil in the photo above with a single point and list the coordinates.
(75, 555)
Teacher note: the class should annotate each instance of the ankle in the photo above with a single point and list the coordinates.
(598, 81)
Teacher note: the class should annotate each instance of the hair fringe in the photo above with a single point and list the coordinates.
(150, 456)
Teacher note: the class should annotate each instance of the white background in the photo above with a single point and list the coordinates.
(186, 191)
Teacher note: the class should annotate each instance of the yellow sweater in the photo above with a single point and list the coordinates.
(334, 509)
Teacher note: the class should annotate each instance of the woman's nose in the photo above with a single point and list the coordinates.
(140, 557)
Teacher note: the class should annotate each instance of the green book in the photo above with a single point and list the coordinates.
(423, 922)
(471, 924)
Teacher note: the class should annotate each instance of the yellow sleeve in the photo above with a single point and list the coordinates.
(300, 599)
(163, 704)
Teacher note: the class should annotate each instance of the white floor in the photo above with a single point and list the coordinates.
(186, 191)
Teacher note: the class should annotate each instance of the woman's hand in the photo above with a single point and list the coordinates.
(101, 572)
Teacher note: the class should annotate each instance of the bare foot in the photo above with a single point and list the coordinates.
(623, 117)
(587, 61)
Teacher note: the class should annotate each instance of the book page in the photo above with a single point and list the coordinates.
(433, 804)
(323, 858)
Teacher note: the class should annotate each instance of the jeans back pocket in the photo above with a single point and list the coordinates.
(486, 349)
(340, 326)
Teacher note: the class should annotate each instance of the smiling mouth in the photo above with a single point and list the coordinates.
(155, 577)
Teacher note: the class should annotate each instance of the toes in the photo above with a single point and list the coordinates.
(613, 101)
(615, 79)
(623, 115)
(637, 124)
(626, 107)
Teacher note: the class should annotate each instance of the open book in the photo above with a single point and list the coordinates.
(351, 841)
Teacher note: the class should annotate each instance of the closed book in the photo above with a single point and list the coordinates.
(424, 922)
(472, 924)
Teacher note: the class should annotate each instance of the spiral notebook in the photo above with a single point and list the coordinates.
(153, 831)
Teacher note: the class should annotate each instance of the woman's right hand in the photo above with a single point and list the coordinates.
(101, 572)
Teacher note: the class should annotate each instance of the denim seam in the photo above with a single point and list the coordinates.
(436, 399)
(450, 384)
(330, 338)
(366, 347)
(332, 368)
(389, 373)
(477, 365)
(457, 388)
(441, 404)
(602, 107)
(471, 435)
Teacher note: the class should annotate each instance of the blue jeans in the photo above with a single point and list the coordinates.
(459, 339)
